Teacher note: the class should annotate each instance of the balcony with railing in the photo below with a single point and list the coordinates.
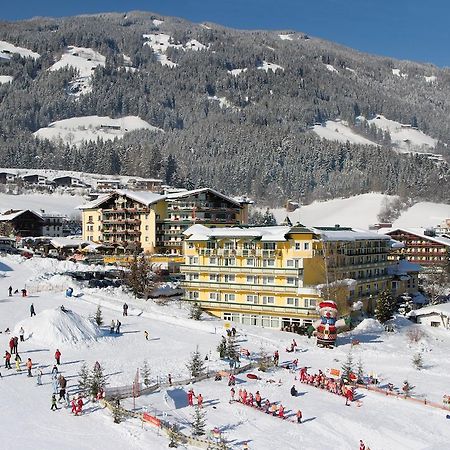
(271, 288)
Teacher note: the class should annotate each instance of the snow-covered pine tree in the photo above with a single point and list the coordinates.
(145, 373)
(222, 348)
(196, 366)
(83, 379)
(116, 413)
(195, 311)
(98, 316)
(198, 422)
(385, 307)
(263, 360)
(96, 380)
(417, 361)
(232, 351)
(347, 367)
(360, 372)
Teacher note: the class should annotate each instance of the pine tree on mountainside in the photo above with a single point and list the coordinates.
(83, 379)
(198, 422)
(98, 316)
(145, 373)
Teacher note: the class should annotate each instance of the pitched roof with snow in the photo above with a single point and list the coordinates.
(419, 232)
(403, 267)
(145, 197)
(15, 214)
(182, 194)
(442, 308)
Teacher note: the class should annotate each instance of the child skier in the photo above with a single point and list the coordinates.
(54, 407)
(58, 357)
(39, 376)
(18, 360)
(299, 416)
(29, 367)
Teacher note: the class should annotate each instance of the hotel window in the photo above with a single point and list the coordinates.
(229, 278)
(269, 246)
(214, 277)
(250, 261)
(229, 262)
(268, 263)
(298, 246)
(291, 301)
(292, 281)
(146, 238)
(252, 279)
(306, 246)
(268, 280)
(252, 299)
(290, 263)
(268, 300)
(310, 302)
(193, 295)
(214, 296)
(193, 259)
(213, 260)
(230, 297)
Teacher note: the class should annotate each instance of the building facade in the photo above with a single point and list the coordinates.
(275, 276)
(204, 206)
(421, 246)
(125, 219)
(20, 223)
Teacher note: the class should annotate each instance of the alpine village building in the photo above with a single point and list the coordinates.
(276, 276)
(154, 223)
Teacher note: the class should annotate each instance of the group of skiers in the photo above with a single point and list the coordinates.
(330, 384)
(16, 291)
(255, 401)
(190, 397)
(115, 327)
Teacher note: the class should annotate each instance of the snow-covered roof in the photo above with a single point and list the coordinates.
(68, 242)
(265, 234)
(419, 232)
(348, 234)
(145, 197)
(403, 267)
(13, 215)
(181, 194)
(442, 308)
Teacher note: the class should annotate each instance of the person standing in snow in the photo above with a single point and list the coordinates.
(362, 446)
(125, 309)
(58, 357)
(11, 346)
(79, 406)
(10, 289)
(21, 334)
(62, 385)
(7, 360)
(74, 405)
(32, 311)
(29, 367)
(146, 335)
(112, 327)
(170, 379)
(232, 393)
(200, 400)
(54, 406)
(16, 343)
(118, 324)
(18, 360)
(190, 396)
(54, 371)
(281, 411)
(276, 358)
(299, 416)
(39, 376)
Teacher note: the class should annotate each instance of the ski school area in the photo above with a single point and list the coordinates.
(297, 404)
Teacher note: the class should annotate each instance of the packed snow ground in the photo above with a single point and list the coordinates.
(6, 49)
(360, 211)
(382, 422)
(76, 130)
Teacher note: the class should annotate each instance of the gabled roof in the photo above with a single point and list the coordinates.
(442, 308)
(13, 215)
(182, 194)
(403, 267)
(145, 197)
(420, 232)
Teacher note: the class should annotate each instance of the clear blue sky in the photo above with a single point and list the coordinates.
(406, 29)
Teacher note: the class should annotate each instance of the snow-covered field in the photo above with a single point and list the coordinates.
(50, 203)
(341, 132)
(77, 130)
(382, 422)
(360, 211)
(266, 66)
(5, 79)
(6, 49)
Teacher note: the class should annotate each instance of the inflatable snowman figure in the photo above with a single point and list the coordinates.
(326, 326)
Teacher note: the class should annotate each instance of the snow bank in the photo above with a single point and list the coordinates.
(56, 327)
(85, 60)
(369, 326)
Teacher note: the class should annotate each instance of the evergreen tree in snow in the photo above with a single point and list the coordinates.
(96, 380)
(222, 348)
(195, 311)
(385, 307)
(347, 367)
(268, 218)
(98, 316)
(116, 412)
(145, 373)
(360, 372)
(196, 366)
(232, 350)
(198, 422)
(83, 379)
(417, 361)
(263, 360)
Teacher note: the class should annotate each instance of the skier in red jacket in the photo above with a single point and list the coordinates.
(79, 406)
(190, 396)
(58, 357)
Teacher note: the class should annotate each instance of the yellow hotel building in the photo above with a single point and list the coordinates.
(275, 276)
